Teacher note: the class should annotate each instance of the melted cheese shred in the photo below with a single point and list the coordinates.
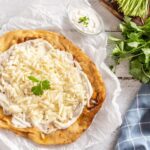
(56, 108)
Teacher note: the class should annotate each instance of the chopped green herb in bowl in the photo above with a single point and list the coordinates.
(84, 20)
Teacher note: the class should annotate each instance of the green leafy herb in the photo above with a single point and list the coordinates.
(40, 87)
(112, 68)
(45, 84)
(134, 47)
(33, 79)
(37, 90)
(84, 20)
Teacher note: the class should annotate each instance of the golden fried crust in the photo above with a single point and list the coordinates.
(83, 122)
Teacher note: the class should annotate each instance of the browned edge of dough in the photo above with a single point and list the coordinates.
(83, 122)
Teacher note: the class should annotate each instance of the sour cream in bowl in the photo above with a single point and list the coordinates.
(86, 20)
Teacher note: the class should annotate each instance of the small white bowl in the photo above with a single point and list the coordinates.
(84, 8)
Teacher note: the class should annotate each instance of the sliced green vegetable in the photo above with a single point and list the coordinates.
(137, 8)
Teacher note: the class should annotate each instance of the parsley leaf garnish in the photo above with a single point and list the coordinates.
(37, 90)
(45, 84)
(40, 87)
(84, 20)
(33, 79)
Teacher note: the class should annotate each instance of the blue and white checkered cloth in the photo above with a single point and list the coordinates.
(135, 130)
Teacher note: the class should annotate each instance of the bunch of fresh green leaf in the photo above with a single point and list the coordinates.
(135, 47)
(134, 7)
(40, 87)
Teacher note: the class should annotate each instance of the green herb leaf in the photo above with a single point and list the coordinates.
(40, 87)
(37, 90)
(134, 26)
(136, 69)
(121, 45)
(84, 20)
(114, 39)
(133, 44)
(45, 85)
(146, 52)
(33, 79)
(117, 51)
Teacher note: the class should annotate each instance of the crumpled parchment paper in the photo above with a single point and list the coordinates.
(52, 16)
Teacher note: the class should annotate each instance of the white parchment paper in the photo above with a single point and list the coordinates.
(51, 15)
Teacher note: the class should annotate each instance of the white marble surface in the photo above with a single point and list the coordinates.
(129, 86)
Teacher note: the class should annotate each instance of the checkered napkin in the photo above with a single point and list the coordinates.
(135, 130)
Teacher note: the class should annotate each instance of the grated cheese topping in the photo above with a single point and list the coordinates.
(57, 108)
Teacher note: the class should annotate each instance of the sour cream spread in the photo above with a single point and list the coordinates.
(58, 107)
(86, 20)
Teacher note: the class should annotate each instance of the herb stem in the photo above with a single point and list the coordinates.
(145, 72)
(130, 57)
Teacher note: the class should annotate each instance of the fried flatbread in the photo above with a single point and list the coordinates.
(58, 41)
